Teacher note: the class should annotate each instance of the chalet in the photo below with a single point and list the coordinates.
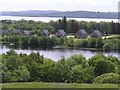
(81, 34)
(4, 32)
(26, 33)
(96, 34)
(45, 32)
(60, 33)
(16, 32)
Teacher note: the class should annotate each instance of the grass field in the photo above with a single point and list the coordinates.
(56, 85)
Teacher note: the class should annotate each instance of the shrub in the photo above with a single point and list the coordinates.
(112, 78)
(106, 46)
(103, 66)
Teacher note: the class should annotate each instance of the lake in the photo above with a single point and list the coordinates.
(57, 54)
(47, 19)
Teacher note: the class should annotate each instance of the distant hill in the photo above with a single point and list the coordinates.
(70, 14)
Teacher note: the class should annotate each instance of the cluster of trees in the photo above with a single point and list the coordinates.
(29, 41)
(75, 69)
(98, 43)
(24, 25)
(70, 26)
(35, 41)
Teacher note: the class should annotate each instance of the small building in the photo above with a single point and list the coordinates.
(26, 33)
(4, 32)
(60, 33)
(81, 34)
(96, 34)
(16, 32)
(45, 32)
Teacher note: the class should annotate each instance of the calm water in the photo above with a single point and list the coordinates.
(57, 54)
(47, 19)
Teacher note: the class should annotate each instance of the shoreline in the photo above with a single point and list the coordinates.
(60, 48)
(58, 17)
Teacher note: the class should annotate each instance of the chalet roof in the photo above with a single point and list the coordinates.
(3, 31)
(98, 33)
(83, 31)
(26, 32)
(45, 31)
(62, 32)
(16, 31)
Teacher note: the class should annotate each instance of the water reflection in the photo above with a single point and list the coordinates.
(57, 54)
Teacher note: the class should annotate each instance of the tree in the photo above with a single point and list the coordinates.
(102, 27)
(76, 60)
(64, 24)
(61, 71)
(91, 43)
(83, 24)
(60, 24)
(47, 68)
(114, 27)
(24, 74)
(88, 74)
(93, 60)
(6, 76)
(76, 74)
(103, 66)
(99, 43)
(11, 52)
(25, 41)
(107, 46)
(84, 44)
(72, 26)
(34, 67)
(61, 41)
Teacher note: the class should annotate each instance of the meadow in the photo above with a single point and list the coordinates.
(57, 85)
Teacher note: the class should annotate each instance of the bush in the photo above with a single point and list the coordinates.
(76, 74)
(106, 46)
(112, 78)
(103, 66)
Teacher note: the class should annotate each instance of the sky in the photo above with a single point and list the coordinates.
(60, 5)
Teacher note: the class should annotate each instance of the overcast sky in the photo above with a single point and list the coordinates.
(61, 5)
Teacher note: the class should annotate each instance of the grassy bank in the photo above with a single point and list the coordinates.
(56, 85)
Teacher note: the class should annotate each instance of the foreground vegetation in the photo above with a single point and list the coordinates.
(75, 69)
(56, 85)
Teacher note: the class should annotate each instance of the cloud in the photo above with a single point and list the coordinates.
(64, 5)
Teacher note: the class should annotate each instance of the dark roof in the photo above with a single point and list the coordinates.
(81, 34)
(62, 32)
(45, 31)
(26, 32)
(4, 31)
(83, 31)
(16, 31)
(98, 33)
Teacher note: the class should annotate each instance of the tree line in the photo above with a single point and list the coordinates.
(70, 26)
(36, 41)
(75, 69)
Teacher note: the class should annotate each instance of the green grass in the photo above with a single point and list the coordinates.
(56, 85)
